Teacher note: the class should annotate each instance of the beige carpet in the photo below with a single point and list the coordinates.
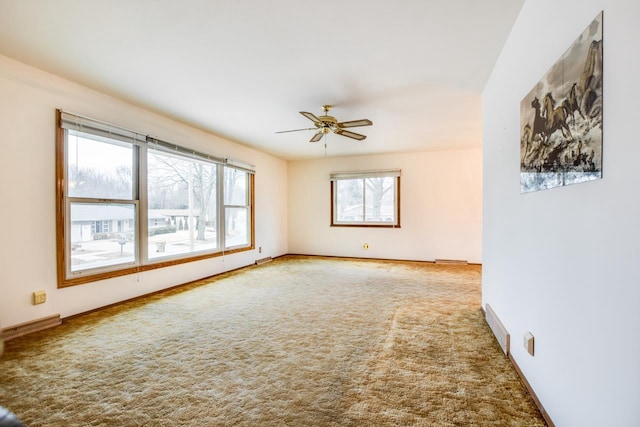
(300, 341)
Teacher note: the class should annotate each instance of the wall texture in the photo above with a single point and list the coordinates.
(563, 263)
(441, 208)
(28, 100)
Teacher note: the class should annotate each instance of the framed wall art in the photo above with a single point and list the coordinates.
(561, 118)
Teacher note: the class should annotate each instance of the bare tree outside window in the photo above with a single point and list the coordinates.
(183, 192)
(377, 188)
(173, 181)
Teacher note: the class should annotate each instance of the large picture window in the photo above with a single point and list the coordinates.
(129, 203)
(365, 199)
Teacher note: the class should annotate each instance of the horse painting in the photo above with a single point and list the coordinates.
(561, 118)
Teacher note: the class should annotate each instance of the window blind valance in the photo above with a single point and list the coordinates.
(84, 124)
(170, 147)
(394, 173)
(245, 167)
(79, 123)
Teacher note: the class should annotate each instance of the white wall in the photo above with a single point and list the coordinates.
(28, 100)
(563, 263)
(441, 204)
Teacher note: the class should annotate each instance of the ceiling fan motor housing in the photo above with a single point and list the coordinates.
(328, 119)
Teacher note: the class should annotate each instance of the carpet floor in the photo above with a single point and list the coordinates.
(300, 341)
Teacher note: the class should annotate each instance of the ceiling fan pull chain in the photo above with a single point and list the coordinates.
(325, 144)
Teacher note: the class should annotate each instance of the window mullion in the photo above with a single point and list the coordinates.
(364, 200)
(96, 200)
(142, 188)
(222, 221)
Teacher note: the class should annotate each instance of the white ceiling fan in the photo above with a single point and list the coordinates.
(326, 123)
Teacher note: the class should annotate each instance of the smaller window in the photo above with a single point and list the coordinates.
(365, 199)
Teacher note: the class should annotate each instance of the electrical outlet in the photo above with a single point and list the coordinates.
(365, 246)
(260, 249)
(39, 297)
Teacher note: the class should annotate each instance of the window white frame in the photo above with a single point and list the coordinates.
(338, 177)
(139, 259)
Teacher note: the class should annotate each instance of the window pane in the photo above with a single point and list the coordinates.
(98, 167)
(349, 200)
(379, 199)
(235, 187)
(102, 235)
(182, 200)
(237, 227)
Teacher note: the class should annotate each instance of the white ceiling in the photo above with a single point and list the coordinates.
(244, 69)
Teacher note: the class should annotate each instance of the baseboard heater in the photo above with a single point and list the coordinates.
(29, 327)
(502, 336)
(498, 329)
(263, 260)
(452, 261)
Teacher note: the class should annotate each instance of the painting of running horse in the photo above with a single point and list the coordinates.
(561, 118)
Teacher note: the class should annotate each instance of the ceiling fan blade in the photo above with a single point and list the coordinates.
(350, 134)
(295, 130)
(317, 137)
(354, 123)
(311, 117)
